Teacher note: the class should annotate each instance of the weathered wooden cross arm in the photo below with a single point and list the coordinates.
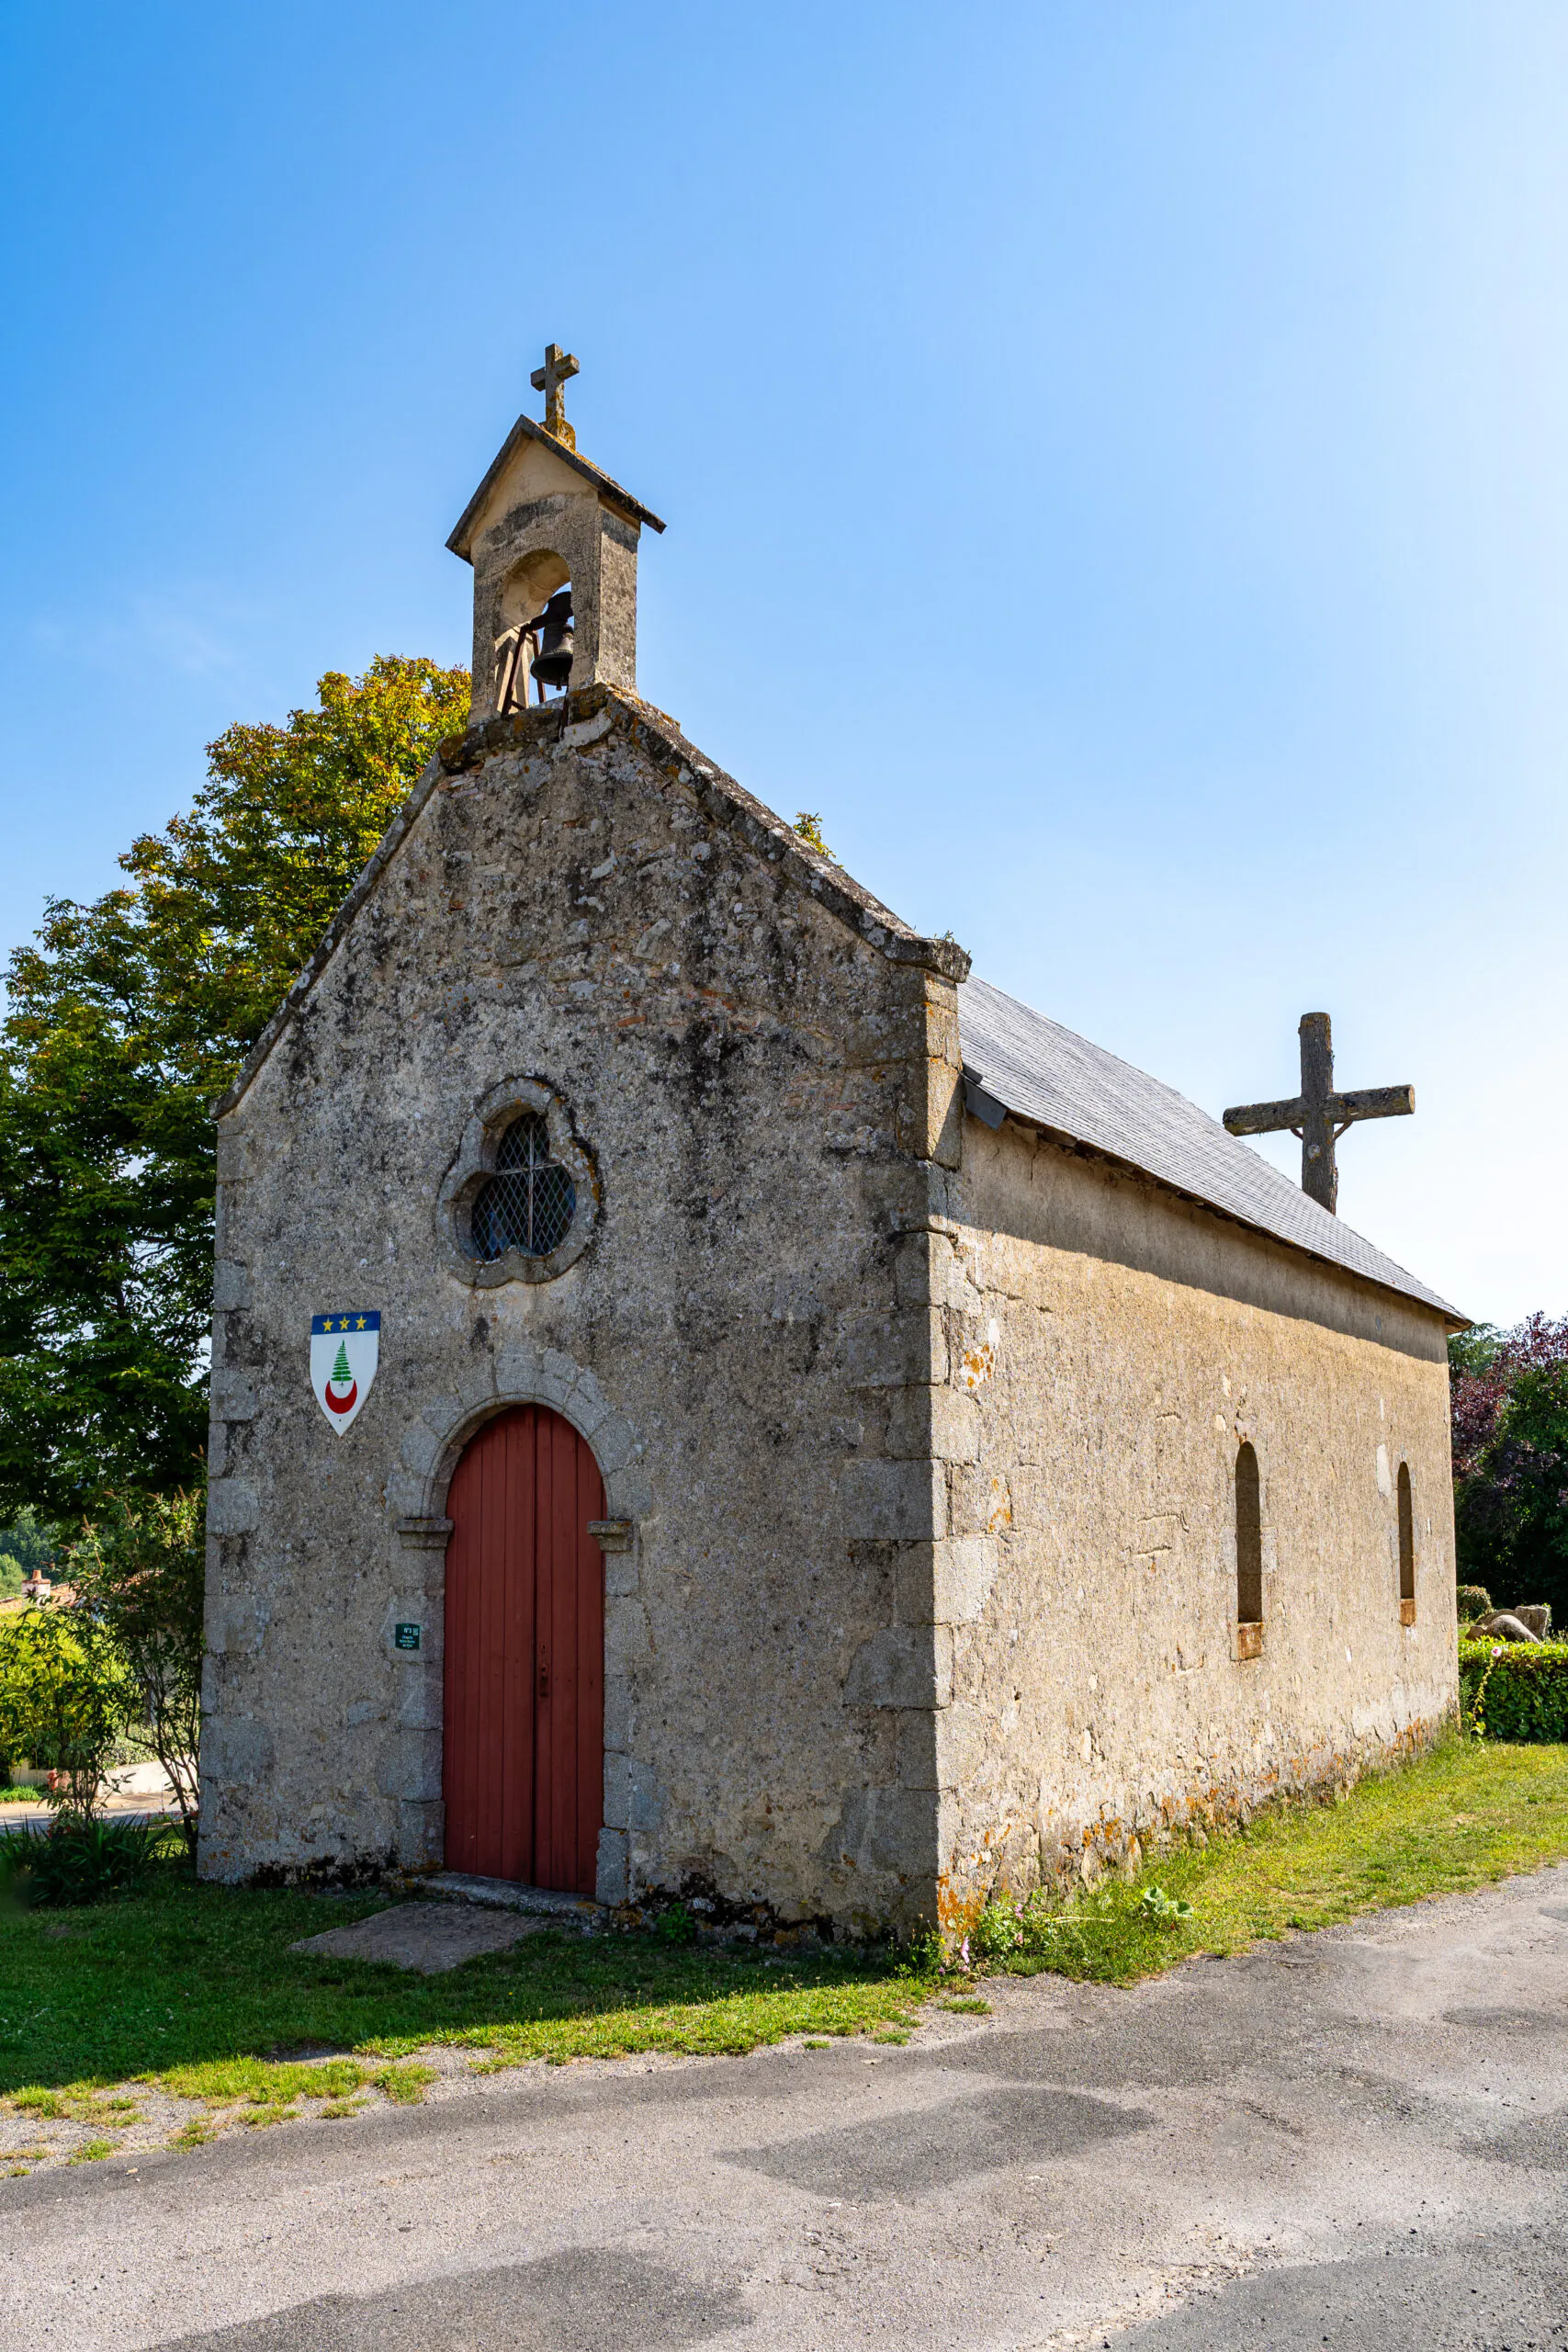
(1264, 1118)
(1371, 1102)
(1364, 1102)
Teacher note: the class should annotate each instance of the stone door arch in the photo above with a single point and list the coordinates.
(524, 1700)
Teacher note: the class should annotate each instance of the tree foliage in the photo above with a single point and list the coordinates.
(66, 1697)
(1510, 1442)
(137, 1572)
(28, 1547)
(127, 1017)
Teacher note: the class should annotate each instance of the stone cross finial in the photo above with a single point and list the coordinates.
(1317, 1114)
(559, 365)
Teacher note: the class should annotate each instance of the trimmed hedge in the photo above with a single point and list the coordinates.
(1526, 1692)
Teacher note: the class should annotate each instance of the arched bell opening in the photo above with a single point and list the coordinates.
(533, 644)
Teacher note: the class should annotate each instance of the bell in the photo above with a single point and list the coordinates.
(551, 665)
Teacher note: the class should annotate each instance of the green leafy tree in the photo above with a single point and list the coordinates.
(126, 1018)
(137, 1572)
(1473, 1352)
(67, 1696)
(28, 1547)
(1510, 1444)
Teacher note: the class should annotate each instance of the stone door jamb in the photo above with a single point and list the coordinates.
(416, 1497)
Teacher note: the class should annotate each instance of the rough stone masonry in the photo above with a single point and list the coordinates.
(916, 1376)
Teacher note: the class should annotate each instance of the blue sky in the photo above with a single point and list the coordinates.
(1116, 463)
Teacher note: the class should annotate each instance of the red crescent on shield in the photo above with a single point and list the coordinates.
(345, 1405)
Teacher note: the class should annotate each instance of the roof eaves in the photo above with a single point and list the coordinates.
(990, 1110)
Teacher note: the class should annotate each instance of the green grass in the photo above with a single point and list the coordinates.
(193, 1988)
(1459, 1817)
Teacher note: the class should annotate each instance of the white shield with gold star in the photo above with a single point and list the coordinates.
(345, 1351)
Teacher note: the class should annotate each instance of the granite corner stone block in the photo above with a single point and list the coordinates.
(612, 1874)
(232, 1508)
(231, 1285)
(902, 1667)
(898, 1501)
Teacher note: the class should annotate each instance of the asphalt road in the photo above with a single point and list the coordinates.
(1356, 2137)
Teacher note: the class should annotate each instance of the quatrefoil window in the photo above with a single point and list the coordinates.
(520, 1198)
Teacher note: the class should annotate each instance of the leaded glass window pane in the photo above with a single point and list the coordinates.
(529, 1204)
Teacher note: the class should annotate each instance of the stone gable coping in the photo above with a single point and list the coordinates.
(594, 713)
(582, 719)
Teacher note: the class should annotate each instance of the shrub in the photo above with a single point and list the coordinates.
(74, 1861)
(1474, 1601)
(65, 1694)
(1522, 1689)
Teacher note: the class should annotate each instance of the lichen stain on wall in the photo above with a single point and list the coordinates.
(977, 1362)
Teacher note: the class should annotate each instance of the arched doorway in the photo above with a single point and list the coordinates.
(523, 1763)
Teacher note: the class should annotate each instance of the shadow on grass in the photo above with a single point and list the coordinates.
(187, 1974)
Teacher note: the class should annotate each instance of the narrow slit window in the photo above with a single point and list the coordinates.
(1248, 1540)
(1406, 1547)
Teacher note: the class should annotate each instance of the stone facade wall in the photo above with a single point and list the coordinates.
(1112, 1346)
(759, 1067)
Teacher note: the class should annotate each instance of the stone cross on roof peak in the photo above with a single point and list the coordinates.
(559, 368)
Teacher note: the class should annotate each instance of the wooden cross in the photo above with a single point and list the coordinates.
(559, 368)
(1317, 1114)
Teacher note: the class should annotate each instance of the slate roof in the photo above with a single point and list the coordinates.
(1042, 1073)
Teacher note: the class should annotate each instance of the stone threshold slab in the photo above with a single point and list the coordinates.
(504, 1895)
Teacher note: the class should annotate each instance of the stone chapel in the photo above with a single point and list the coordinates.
(707, 1393)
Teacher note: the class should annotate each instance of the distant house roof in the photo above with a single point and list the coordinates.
(1018, 1062)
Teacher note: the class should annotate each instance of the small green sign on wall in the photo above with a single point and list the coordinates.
(406, 1637)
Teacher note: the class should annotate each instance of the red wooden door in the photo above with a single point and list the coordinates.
(525, 1705)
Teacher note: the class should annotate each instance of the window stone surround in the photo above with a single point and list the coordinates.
(475, 1162)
